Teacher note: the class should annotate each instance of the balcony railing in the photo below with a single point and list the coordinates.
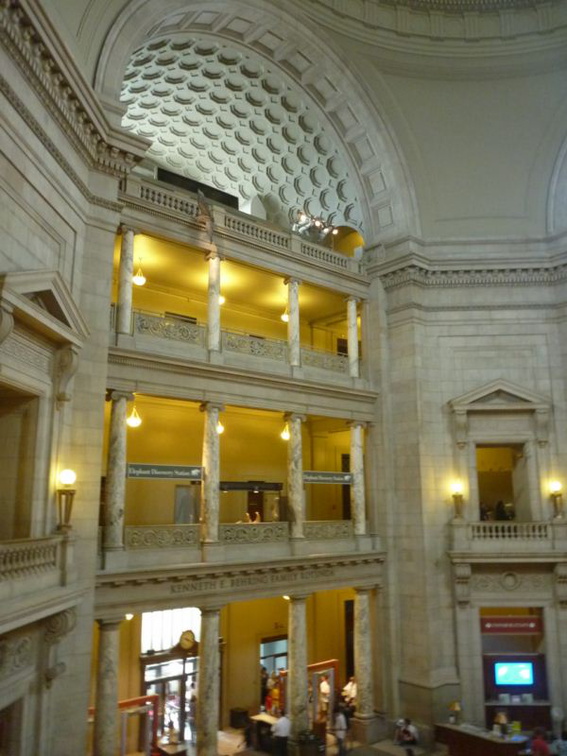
(144, 193)
(507, 537)
(165, 545)
(32, 565)
(172, 329)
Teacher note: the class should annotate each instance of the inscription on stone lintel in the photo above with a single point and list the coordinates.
(242, 581)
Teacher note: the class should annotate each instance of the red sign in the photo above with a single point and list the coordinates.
(514, 625)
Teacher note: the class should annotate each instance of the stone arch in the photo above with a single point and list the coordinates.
(377, 166)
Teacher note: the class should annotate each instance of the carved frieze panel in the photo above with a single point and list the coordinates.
(15, 655)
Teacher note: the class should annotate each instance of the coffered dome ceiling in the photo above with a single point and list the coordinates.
(227, 118)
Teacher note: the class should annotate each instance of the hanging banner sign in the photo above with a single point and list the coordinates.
(319, 476)
(511, 625)
(164, 472)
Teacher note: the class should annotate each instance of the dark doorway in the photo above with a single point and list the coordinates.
(349, 638)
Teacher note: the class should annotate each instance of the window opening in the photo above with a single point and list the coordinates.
(503, 492)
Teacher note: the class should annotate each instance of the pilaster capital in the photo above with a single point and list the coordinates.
(207, 406)
(114, 395)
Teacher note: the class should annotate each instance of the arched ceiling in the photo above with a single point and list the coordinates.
(221, 115)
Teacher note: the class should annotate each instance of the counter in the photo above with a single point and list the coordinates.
(468, 740)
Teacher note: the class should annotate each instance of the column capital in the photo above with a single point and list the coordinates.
(299, 596)
(358, 423)
(115, 394)
(365, 588)
(289, 416)
(213, 253)
(291, 280)
(124, 229)
(205, 406)
(110, 623)
(353, 298)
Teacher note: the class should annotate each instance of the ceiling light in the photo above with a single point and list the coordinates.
(139, 279)
(134, 420)
(285, 434)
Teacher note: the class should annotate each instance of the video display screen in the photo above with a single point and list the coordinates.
(514, 673)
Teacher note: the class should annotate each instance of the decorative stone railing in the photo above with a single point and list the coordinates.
(242, 343)
(510, 531)
(145, 193)
(27, 558)
(336, 363)
(161, 536)
(260, 532)
(328, 529)
(507, 537)
(177, 329)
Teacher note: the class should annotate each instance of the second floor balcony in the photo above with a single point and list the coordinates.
(506, 541)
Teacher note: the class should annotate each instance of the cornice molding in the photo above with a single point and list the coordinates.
(521, 276)
(112, 153)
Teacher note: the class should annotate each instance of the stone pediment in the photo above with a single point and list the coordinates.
(42, 301)
(500, 395)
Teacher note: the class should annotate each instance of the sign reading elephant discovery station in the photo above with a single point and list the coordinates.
(164, 472)
(321, 476)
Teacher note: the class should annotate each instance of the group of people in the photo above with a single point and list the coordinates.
(500, 511)
(541, 747)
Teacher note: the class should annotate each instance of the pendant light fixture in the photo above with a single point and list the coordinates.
(134, 420)
(139, 279)
(285, 434)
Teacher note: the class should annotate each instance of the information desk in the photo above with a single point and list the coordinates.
(467, 740)
(262, 739)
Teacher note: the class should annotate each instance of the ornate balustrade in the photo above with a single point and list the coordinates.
(161, 536)
(242, 343)
(336, 363)
(29, 557)
(328, 529)
(160, 326)
(504, 538)
(260, 532)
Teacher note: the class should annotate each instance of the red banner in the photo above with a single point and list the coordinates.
(514, 625)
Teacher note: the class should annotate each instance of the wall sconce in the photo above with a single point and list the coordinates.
(220, 427)
(285, 434)
(457, 495)
(134, 420)
(555, 488)
(65, 498)
(139, 278)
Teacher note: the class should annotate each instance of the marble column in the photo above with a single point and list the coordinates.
(106, 702)
(113, 534)
(210, 495)
(293, 338)
(363, 657)
(357, 487)
(213, 307)
(125, 273)
(297, 680)
(296, 492)
(208, 683)
(353, 356)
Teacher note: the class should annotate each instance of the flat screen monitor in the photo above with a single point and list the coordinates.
(514, 673)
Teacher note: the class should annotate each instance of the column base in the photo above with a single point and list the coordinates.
(368, 729)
